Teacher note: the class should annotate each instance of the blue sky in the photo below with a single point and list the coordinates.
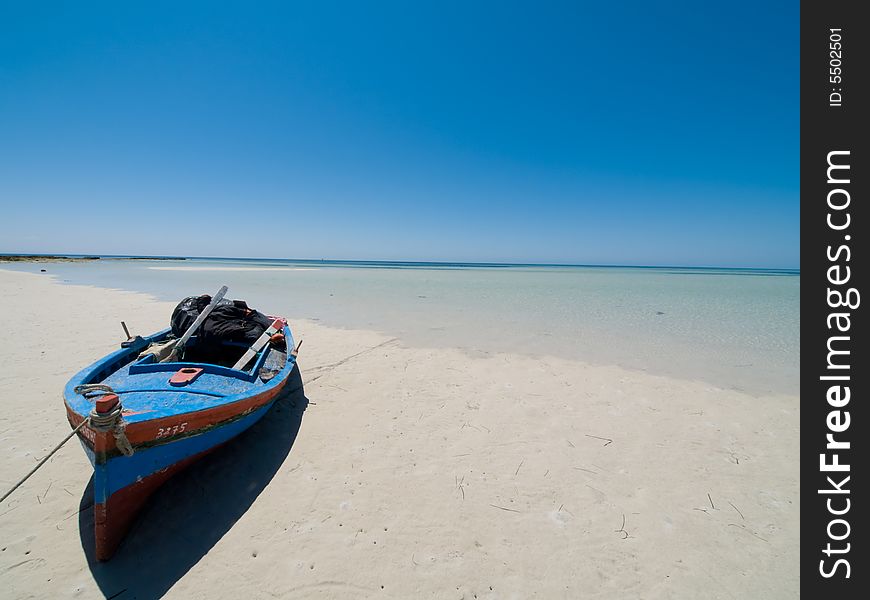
(609, 133)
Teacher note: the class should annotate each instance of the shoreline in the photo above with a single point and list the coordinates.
(377, 263)
(655, 334)
(470, 353)
(415, 472)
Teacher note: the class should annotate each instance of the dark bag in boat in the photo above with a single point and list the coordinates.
(186, 313)
(229, 321)
(234, 322)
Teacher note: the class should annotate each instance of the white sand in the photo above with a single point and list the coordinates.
(415, 473)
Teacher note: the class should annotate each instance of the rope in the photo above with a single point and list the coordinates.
(101, 421)
(89, 390)
(107, 421)
(42, 462)
(112, 421)
(121, 440)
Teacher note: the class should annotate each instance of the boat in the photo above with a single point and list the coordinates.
(141, 420)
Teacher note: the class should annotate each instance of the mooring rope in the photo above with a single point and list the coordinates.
(112, 421)
(107, 421)
(42, 462)
(101, 421)
(89, 390)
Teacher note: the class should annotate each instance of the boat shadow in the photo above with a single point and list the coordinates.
(187, 516)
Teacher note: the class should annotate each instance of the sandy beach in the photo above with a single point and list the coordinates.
(400, 472)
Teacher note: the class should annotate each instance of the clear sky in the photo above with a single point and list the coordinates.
(578, 132)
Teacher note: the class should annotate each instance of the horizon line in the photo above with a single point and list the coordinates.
(403, 262)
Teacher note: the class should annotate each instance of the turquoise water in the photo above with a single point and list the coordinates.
(732, 328)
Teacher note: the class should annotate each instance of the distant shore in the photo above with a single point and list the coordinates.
(45, 258)
(75, 258)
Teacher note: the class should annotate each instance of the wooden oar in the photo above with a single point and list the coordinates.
(274, 328)
(179, 345)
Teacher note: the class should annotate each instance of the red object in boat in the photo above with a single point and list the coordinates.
(185, 376)
(105, 404)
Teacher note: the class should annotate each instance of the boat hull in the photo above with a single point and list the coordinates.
(162, 444)
(114, 516)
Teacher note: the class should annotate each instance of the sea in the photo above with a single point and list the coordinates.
(732, 328)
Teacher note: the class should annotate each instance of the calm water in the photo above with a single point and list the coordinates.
(733, 328)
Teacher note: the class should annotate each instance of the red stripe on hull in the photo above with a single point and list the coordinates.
(148, 431)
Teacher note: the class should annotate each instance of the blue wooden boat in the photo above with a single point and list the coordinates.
(141, 421)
